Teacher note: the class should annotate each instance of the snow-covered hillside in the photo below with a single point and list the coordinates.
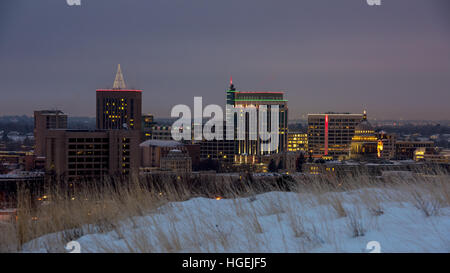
(276, 222)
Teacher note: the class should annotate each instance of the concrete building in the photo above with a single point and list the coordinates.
(119, 107)
(330, 134)
(43, 121)
(77, 154)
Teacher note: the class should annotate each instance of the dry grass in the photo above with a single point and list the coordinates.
(356, 223)
(336, 203)
(95, 209)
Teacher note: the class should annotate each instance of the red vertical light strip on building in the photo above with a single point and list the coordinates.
(326, 135)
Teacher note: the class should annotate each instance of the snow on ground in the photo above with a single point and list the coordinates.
(275, 222)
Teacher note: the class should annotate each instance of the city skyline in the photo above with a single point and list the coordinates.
(393, 60)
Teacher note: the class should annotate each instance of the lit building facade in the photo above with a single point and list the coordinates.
(330, 134)
(249, 151)
(297, 141)
(364, 142)
(119, 107)
(386, 145)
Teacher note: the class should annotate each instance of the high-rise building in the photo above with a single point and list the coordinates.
(248, 150)
(74, 154)
(119, 107)
(330, 134)
(43, 121)
(297, 141)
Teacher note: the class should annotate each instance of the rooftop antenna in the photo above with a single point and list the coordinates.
(119, 82)
(232, 85)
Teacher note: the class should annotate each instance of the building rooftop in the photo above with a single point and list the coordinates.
(161, 143)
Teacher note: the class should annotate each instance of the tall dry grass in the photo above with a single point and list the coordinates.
(95, 208)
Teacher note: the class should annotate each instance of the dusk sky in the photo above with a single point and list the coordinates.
(327, 55)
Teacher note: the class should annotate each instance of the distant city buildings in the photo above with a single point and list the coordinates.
(111, 149)
(432, 155)
(404, 149)
(12, 160)
(126, 141)
(330, 134)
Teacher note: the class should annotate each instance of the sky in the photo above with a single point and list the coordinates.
(326, 55)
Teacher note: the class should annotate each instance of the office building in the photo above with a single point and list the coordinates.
(297, 141)
(220, 150)
(249, 151)
(43, 121)
(119, 107)
(75, 154)
(330, 134)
